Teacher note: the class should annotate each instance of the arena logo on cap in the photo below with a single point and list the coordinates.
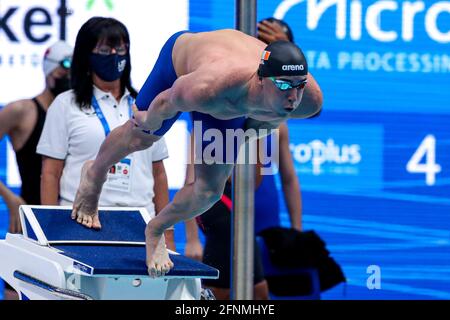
(293, 67)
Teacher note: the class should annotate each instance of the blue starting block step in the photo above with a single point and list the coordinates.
(130, 260)
(117, 226)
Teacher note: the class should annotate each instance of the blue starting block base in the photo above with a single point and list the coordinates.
(53, 248)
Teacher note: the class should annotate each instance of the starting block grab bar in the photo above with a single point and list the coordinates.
(59, 292)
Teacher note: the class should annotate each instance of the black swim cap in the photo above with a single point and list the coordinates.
(282, 58)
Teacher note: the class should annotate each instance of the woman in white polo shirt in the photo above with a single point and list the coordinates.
(79, 120)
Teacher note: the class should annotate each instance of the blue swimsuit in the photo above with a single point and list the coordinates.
(162, 78)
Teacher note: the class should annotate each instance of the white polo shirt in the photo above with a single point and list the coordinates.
(75, 136)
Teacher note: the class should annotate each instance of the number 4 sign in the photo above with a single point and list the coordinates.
(426, 149)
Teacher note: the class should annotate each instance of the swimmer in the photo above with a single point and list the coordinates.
(227, 80)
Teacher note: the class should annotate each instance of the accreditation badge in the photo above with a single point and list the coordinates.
(119, 176)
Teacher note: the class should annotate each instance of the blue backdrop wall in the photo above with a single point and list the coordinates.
(374, 167)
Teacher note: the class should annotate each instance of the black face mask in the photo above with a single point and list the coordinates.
(109, 67)
(61, 85)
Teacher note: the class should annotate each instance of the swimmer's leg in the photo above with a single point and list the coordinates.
(190, 201)
(120, 142)
(128, 138)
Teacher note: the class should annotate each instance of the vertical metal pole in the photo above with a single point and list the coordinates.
(243, 191)
(246, 16)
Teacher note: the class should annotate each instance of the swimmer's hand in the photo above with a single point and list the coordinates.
(140, 118)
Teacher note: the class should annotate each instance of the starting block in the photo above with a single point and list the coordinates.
(57, 258)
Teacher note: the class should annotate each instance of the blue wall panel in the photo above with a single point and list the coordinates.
(381, 100)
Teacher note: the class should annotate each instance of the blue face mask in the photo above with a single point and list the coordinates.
(108, 67)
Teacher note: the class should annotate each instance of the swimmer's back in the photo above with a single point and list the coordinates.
(195, 50)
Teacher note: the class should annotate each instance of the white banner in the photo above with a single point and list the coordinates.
(28, 27)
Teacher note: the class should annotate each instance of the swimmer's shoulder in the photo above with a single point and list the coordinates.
(226, 37)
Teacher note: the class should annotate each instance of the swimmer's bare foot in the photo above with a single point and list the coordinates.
(85, 206)
(158, 261)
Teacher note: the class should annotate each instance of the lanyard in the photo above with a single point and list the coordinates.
(101, 116)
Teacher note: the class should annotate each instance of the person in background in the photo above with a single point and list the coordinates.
(272, 29)
(79, 120)
(23, 121)
(216, 222)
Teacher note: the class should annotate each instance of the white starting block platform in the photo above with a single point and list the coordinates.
(57, 258)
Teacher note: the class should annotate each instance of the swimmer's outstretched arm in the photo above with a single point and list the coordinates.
(161, 108)
(191, 92)
(188, 93)
(312, 100)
